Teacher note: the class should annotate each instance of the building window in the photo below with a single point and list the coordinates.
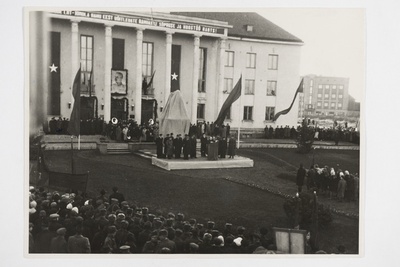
(326, 96)
(202, 70)
(147, 60)
(333, 86)
(333, 96)
(229, 58)
(228, 85)
(319, 96)
(339, 105)
(249, 87)
(269, 113)
(251, 60)
(326, 105)
(319, 104)
(310, 99)
(248, 113)
(200, 111)
(86, 58)
(320, 86)
(340, 86)
(271, 88)
(311, 82)
(272, 62)
(333, 105)
(340, 96)
(327, 86)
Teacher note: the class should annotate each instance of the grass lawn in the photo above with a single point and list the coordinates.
(204, 194)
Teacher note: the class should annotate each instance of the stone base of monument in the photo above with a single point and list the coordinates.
(202, 163)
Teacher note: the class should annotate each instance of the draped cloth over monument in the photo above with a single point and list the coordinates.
(174, 118)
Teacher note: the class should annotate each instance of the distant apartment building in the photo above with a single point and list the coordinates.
(327, 96)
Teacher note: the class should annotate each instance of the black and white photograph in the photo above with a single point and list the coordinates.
(195, 133)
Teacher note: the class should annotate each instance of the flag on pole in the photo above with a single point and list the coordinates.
(151, 80)
(233, 96)
(175, 67)
(286, 111)
(75, 120)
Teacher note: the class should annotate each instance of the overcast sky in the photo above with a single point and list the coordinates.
(334, 41)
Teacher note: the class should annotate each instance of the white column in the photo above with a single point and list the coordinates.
(107, 72)
(138, 85)
(221, 71)
(74, 53)
(195, 78)
(168, 50)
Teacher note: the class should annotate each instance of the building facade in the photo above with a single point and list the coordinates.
(131, 61)
(325, 96)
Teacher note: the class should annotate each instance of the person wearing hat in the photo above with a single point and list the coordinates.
(144, 235)
(159, 144)
(151, 245)
(169, 146)
(123, 235)
(58, 243)
(165, 242)
(206, 246)
(78, 243)
(193, 146)
(102, 196)
(186, 147)
(178, 143)
(54, 224)
(117, 195)
(341, 187)
(110, 245)
(301, 174)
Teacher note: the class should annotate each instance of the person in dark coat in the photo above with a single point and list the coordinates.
(58, 243)
(222, 147)
(178, 146)
(228, 129)
(117, 195)
(231, 147)
(301, 174)
(203, 147)
(169, 145)
(159, 144)
(193, 148)
(186, 147)
(78, 243)
(165, 145)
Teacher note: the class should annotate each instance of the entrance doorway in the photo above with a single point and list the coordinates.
(88, 107)
(119, 108)
(149, 110)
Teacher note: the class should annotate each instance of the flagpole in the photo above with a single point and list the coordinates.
(240, 108)
(72, 155)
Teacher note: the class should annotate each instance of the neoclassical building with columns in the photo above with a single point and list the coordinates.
(131, 61)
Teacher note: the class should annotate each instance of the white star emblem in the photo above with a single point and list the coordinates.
(174, 76)
(53, 68)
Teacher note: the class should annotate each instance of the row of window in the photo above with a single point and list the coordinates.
(249, 86)
(332, 106)
(327, 86)
(326, 96)
(251, 60)
(147, 64)
(247, 112)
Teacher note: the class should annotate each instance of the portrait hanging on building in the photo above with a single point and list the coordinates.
(119, 82)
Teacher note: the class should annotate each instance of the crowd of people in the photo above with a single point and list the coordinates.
(334, 133)
(78, 223)
(172, 147)
(330, 181)
(124, 130)
(73, 223)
